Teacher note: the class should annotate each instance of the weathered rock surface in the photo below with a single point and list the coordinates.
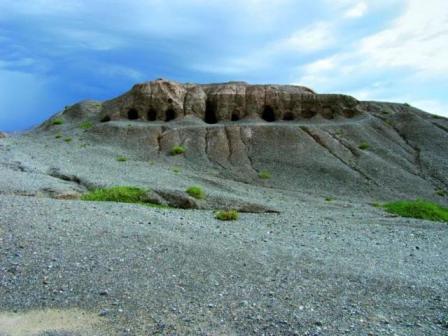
(167, 100)
(3, 135)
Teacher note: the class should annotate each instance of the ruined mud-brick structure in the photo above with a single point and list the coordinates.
(163, 100)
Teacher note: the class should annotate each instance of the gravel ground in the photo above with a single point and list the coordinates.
(324, 270)
(317, 268)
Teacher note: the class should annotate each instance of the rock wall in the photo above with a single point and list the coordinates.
(163, 100)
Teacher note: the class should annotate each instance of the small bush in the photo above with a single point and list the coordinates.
(86, 125)
(363, 146)
(264, 174)
(441, 192)
(196, 192)
(57, 121)
(58, 136)
(176, 170)
(421, 209)
(328, 199)
(227, 215)
(122, 158)
(68, 140)
(176, 150)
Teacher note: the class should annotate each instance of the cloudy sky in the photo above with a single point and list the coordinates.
(56, 52)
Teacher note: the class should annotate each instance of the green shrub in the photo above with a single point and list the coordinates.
(122, 158)
(421, 209)
(57, 121)
(68, 139)
(363, 146)
(86, 125)
(441, 192)
(120, 194)
(227, 215)
(176, 170)
(264, 174)
(196, 192)
(176, 150)
(328, 199)
(58, 136)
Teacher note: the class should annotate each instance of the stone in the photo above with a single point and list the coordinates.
(3, 135)
(178, 199)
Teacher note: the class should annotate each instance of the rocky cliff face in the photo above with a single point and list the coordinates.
(308, 141)
(164, 100)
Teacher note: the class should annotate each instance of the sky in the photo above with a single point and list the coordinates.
(54, 53)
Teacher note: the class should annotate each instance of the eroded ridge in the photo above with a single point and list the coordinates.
(163, 100)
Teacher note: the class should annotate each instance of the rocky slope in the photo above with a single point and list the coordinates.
(310, 255)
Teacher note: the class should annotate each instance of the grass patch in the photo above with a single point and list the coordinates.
(196, 192)
(116, 194)
(86, 125)
(68, 140)
(363, 146)
(227, 215)
(420, 209)
(121, 194)
(177, 150)
(122, 158)
(57, 121)
(264, 175)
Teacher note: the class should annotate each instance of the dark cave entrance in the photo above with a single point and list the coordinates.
(133, 114)
(152, 114)
(105, 119)
(210, 112)
(268, 114)
(308, 113)
(170, 114)
(235, 116)
(288, 116)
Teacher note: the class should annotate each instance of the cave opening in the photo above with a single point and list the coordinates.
(133, 114)
(288, 116)
(106, 118)
(308, 113)
(268, 113)
(152, 114)
(235, 117)
(210, 112)
(170, 114)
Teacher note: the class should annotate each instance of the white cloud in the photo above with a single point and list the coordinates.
(88, 39)
(417, 40)
(119, 71)
(416, 44)
(313, 38)
(431, 106)
(359, 9)
(39, 7)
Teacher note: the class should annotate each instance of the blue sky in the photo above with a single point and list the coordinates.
(56, 52)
